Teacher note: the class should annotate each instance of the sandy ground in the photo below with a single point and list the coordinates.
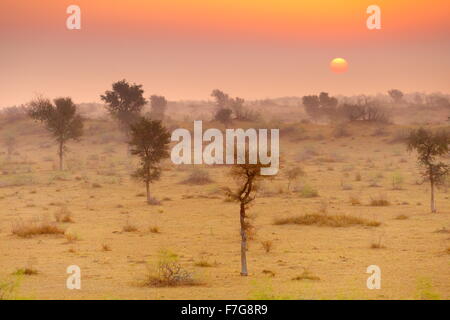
(197, 224)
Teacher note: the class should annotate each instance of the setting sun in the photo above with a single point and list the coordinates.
(339, 65)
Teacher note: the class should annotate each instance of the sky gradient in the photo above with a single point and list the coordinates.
(253, 49)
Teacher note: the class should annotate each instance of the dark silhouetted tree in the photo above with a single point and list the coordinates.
(320, 106)
(159, 105)
(150, 142)
(247, 177)
(431, 147)
(396, 95)
(124, 103)
(60, 119)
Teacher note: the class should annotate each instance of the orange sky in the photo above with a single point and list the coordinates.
(251, 48)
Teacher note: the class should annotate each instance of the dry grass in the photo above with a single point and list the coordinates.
(154, 229)
(64, 215)
(198, 177)
(128, 227)
(401, 217)
(267, 245)
(35, 227)
(28, 271)
(327, 221)
(106, 247)
(71, 237)
(168, 272)
(306, 275)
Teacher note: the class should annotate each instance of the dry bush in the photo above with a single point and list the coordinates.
(306, 275)
(168, 272)
(154, 229)
(327, 221)
(27, 271)
(354, 200)
(128, 227)
(106, 247)
(71, 237)
(401, 217)
(198, 177)
(380, 201)
(63, 215)
(267, 245)
(35, 227)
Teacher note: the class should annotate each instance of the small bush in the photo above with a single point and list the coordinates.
(27, 271)
(327, 221)
(35, 227)
(198, 177)
(267, 245)
(63, 215)
(106, 247)
(168, 272)
(381, 201)
(401, 217)
(306, 275)
(154, 229)
(128, 227)
(308, 192)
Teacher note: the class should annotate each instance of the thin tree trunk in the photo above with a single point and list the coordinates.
(61, 147)
(243, 242)
(433, 202)
(147, 186)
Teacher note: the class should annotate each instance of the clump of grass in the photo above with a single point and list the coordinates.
(308, 192)
(35, 227)
(380, 201)
(327, 221)
(27, 271)
(448, 250)
(106, 247)
(63, 215)
(269, 273)
(354, 200)
(168, 272)
(8, 288)
(71, 237)
(267, 245)
(96, 185)
(306, 275)
(128, 227)
(401, 217)
(154, 229)
(198, 177)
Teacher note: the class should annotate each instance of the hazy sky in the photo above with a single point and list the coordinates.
(250, 48)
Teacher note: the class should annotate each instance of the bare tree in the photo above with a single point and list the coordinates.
(247, 177)
(60, 119)
(293, 174)
(431, 147)
(150, 142)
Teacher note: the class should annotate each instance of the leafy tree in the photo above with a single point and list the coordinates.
(223, 116)
(312, 104)
(159, 105)
(150, 142)
(396, 95)
(60, 119)
(124, 102)
(320, 106)
(247, 177)
(431, 147)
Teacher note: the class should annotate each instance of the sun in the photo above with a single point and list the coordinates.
(338, 65)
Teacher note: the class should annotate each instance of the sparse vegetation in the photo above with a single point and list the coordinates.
(327, 221)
